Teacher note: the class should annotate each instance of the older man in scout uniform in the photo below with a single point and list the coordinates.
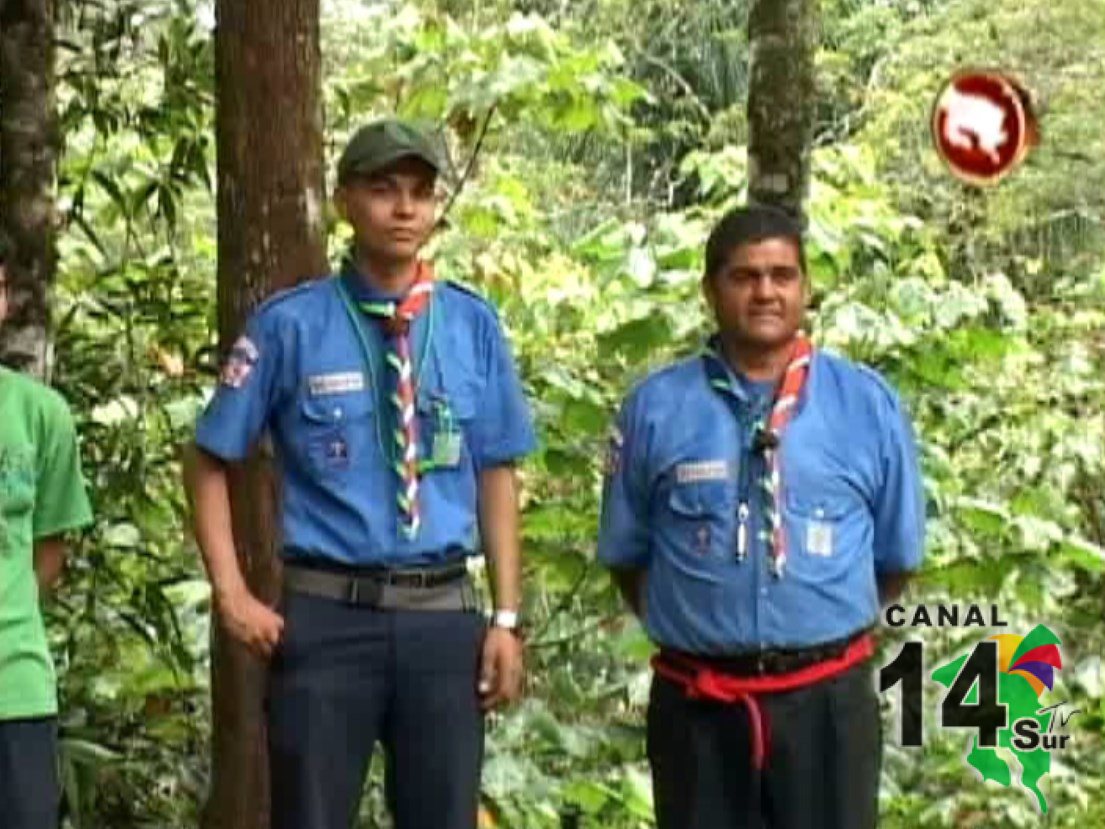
(42, 498)
(397, 415)
(760, 498)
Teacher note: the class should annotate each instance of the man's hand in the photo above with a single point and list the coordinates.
(251, 622)
(500, 669)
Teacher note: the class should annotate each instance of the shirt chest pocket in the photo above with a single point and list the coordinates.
(699, 517)
(336, 431)
(826, 531)
(446, 416)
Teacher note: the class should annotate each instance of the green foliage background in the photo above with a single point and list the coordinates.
(610, 135)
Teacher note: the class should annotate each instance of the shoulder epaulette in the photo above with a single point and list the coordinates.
(469, 290)
(882, 384)
(871, 373)
(287, 293)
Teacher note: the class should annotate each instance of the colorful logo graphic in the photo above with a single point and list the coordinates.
(1035, 657)
(996, 690)
(983, 126)
(1026, 667)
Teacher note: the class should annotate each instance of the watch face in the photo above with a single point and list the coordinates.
(982, 126)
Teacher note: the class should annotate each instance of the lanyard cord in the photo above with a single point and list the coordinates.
(356, 319)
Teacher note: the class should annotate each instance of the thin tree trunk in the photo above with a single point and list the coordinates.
(271, 235)
(783, 36)
(28, 156)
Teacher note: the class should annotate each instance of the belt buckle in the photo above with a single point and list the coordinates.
(761, 662)
(362, 591)
(408, 578)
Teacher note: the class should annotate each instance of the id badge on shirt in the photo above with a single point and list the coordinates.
(446, 452)
(447, 437)
(819, 538)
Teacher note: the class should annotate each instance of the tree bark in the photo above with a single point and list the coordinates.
(783, 37)
(28, 159)
(270, 236)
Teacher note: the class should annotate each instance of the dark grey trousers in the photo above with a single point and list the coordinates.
(821, 770)
(347, 677)
(29, 788)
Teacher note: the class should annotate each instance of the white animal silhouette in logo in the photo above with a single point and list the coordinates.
(973, 121)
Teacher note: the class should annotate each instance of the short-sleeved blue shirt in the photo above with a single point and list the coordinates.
(682, 461)
(301, 372)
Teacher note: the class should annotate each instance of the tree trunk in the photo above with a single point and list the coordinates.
(271, 235)
(28, 155)
(783, 36)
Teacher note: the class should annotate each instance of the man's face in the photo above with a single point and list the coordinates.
(759, 294)
(3, 293)
(392, 211)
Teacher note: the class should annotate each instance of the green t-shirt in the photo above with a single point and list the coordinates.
(41, 494)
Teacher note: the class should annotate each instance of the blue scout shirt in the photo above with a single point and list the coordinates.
(300, 371)
(682, 460)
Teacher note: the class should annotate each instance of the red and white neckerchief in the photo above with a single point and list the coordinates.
(396, 319)
(773, 534)
(767, 441)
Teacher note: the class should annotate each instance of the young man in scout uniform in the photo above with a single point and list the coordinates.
(759, 498)
(397, 414)
(42, 498)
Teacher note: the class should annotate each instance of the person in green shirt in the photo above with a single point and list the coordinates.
(42, 497)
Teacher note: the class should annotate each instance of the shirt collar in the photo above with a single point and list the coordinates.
(719, 373)
(726, 381)
(358, 286)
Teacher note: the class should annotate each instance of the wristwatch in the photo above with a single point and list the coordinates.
(506, 619)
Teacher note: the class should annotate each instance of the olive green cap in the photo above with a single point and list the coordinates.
(383, 142)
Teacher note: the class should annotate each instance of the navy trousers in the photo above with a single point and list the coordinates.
(347, 677)
(821, 771)
(29, 788)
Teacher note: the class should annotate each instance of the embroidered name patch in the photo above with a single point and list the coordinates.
(689, 473)
(337, 383)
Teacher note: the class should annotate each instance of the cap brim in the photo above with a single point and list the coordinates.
(390, 158)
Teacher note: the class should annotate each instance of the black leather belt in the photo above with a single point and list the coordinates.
(767, 661)
(434, 587)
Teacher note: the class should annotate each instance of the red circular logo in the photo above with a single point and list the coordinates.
(982, 125)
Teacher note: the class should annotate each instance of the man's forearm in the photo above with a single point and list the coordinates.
(629, 583)
(49, 561)
(206, 483)
(498, 508)
(891, 586)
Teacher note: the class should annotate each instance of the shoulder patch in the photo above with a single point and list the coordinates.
(613, 460)
(239, 363)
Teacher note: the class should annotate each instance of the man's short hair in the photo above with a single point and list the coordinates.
(749, 224)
